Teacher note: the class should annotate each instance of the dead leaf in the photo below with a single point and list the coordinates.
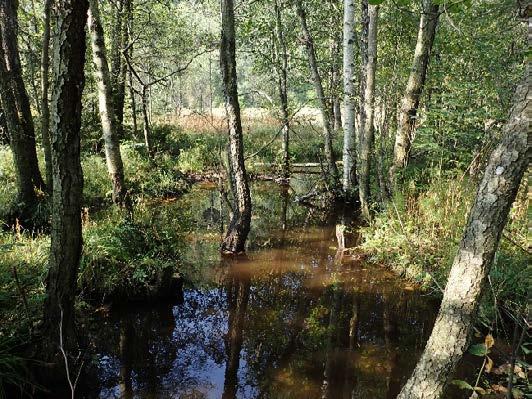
(489, 364)
(499, 388)
(489, 341)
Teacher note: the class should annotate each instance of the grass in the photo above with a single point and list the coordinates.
(418, 235)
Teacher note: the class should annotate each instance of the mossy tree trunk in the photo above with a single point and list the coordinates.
(471, 266)
(45, 85)
(370, 15)
(24, 134)
(406, 122)
(235, 239)
(66, 240)
(109, 123)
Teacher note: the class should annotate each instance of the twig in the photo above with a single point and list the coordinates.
(65, 357)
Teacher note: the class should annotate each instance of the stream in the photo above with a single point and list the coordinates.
(291, 319)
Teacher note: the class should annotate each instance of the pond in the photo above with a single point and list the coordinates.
(291, 319)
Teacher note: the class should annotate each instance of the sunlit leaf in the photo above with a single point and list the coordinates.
(489, 365)
(489, 341)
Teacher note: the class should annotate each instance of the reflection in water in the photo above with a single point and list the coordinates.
(287, 321)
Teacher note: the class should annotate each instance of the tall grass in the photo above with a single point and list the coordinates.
(418, 235)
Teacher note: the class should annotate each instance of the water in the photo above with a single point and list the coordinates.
(292, 319)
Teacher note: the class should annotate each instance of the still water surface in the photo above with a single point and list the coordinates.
(292, 319)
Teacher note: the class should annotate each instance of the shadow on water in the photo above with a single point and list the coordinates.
(289, 320)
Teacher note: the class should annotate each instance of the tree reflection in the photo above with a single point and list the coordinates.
(237, 299)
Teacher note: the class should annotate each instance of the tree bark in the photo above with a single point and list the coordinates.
(8, 29)
(318, 87)
(45, 84)
(406, 121)
(26, 195)
(113, 157)
(349, 152)
(471, 266)
(366, 136)
(282, 83)
(66, 240)
(118, 66)
(239, 226)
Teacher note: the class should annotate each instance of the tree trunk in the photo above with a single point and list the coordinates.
(471, 266)
(118, 66)
(239, 226)
(9, 28)
(282, 56)
(45, 84)
(113, 158)
(366, 136)
(146, 121)
(349, 153)
(66, 239)
(26, 196)
(406, 121)
(318, 87)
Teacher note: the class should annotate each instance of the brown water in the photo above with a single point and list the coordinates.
(291, 320)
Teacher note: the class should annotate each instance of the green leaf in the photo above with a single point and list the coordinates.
(478, 350)
(462, 384)
(375, 2)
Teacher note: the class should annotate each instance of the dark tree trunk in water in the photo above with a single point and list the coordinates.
(113, 157)
(409, 104)
(318, 87)
(367, 93)
(282, 83)
(45, 84)
(11, 60)
(238, 298)
(471, 266)
(239, 226)
(66, 240)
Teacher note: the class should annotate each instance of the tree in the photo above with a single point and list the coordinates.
(118, 66)
(406, 123)
(349, 153)
(24, 132)
(45, 84)
(66, 240)
(239, 226)
(472, 263)
(108, 119)
(318, 87)
(281, 55)
(367, 95)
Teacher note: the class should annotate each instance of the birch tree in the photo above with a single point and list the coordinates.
(367, 94)
(472, 263)
(349, 153)
(320, 94)
(66, 240)
(406, 122)
(113, 157)
(238, 230)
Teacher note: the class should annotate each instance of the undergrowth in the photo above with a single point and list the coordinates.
(418, 234)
